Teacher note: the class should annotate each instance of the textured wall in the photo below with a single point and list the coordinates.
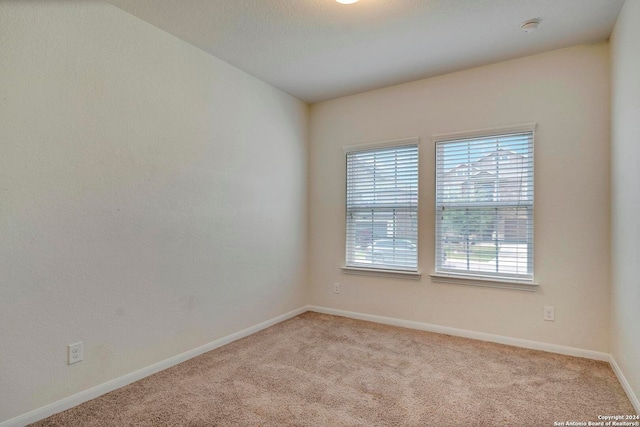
(567, 93)
(625, 203)
(152, 198)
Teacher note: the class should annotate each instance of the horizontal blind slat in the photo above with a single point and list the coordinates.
(484, 206)
(382, 206)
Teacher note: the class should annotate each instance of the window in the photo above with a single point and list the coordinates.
(484, 206)
(382, 207)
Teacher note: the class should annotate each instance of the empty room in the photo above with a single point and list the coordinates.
(319, 213)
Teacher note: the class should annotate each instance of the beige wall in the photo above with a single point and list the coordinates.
(134, 166)
(625, 203)
(152, 198)
(567, 93)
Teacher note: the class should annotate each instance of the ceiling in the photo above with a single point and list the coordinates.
(319, 49)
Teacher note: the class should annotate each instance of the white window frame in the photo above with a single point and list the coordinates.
(376, 271)
(459, 277)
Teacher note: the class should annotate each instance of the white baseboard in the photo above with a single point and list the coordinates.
(517, 342)
(92, 393)
(99, 390)
(625, 385)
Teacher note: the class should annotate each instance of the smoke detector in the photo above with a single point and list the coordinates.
(530, 26)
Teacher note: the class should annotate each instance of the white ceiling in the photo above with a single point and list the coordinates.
(319, 49)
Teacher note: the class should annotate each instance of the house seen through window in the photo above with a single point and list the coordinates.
(484, 206)
(382, 208)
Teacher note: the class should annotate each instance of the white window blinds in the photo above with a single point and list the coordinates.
(382, 208)
(484, 206)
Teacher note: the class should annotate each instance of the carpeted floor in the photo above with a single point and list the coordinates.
(320, 370)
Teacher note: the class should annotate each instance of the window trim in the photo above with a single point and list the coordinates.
(462, 279)
(382, 272)
(390, 143)
(479, 133)
(477, 279)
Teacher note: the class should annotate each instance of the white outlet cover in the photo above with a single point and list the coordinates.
(549, 313)
(76, 353)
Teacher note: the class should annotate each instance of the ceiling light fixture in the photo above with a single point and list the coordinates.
(530, 26)
(347, 1)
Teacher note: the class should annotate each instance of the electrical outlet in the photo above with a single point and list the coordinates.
(76, 354)
(549, 313)
(336, 288)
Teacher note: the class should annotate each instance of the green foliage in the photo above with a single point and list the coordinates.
(461, 225)
(480, 253)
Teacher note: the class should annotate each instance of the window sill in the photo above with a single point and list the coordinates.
(486, 282)
(399, 274)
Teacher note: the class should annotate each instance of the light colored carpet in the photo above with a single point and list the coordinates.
(320, 370)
